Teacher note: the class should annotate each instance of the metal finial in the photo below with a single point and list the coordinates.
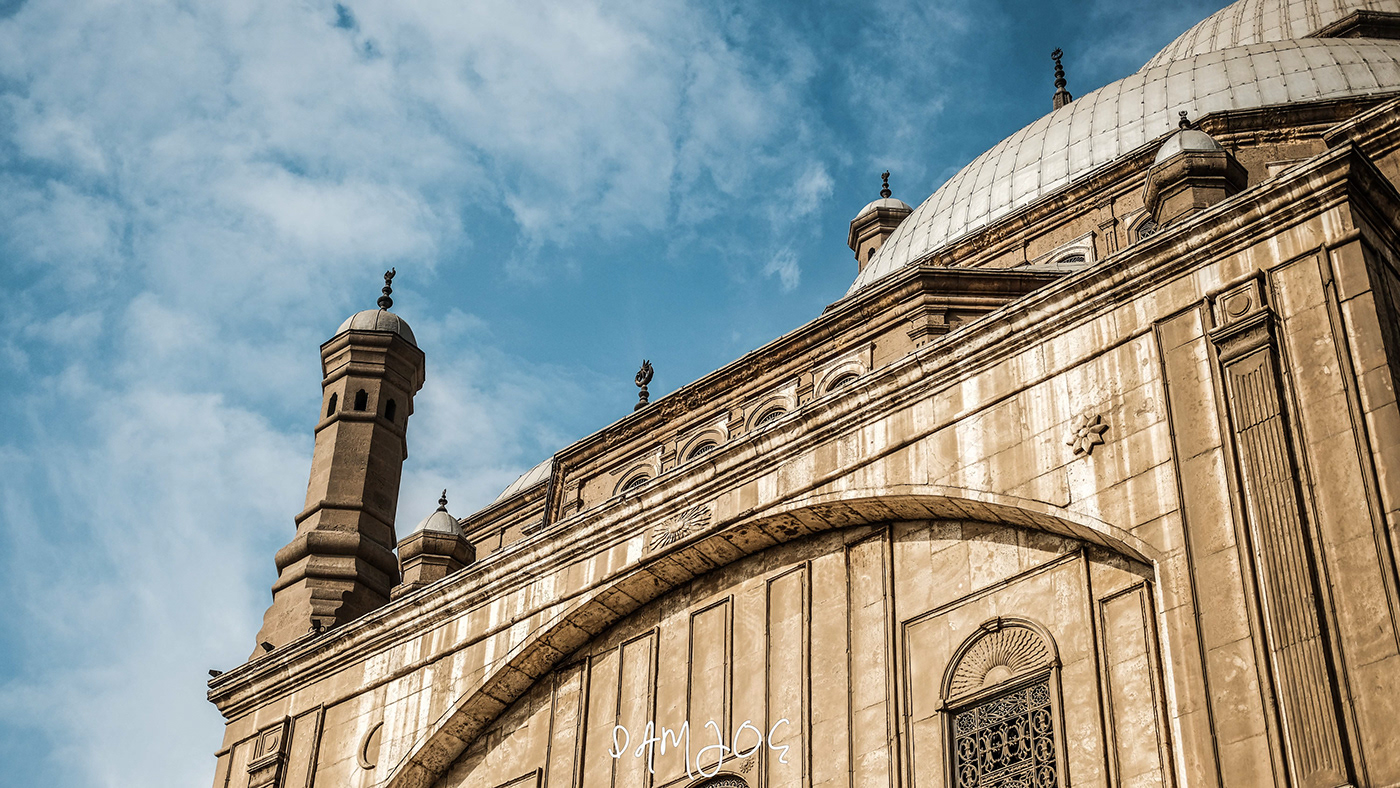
(885, 185)
(1183, 122)
(1062, 96)
(643, 378)
(385, 301)
(442, 502)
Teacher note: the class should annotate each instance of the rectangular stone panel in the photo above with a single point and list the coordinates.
(565, 727)
(635, 710)
(602, 716)
(1135, 731)
(830, 703)
(870, 736)
(709, 679)
(787, 679)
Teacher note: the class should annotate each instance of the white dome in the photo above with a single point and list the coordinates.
(1187, 140)
(1261, 22)
(378, 320)
(439, 521)
(884, 202)
(1117, 119)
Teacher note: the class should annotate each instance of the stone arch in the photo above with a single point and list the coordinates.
(589, 615)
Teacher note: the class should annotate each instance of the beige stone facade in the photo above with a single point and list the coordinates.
(997, 517)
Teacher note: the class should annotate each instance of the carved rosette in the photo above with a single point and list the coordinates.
(1085, 433)
(676, 528)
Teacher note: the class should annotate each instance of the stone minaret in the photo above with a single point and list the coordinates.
(341, 563)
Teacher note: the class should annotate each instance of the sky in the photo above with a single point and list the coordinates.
(194, 195)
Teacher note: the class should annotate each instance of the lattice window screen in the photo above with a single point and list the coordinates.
(1007, 741)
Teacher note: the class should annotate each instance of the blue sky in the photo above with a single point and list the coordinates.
(193, 195)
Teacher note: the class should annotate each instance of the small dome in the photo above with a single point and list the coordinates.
(440, 520)
(893, 203)
(378, 320)
(1187, 140)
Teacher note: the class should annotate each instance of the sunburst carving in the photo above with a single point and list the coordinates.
(680, 526)
(1014, 649)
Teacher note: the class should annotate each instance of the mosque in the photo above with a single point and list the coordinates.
(1092, 478)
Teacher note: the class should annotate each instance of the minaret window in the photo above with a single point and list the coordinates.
(361, 400)
(1001, 705)
(389, 410)
(330, 408)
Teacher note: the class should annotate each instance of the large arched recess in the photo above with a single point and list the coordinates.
(593, 612)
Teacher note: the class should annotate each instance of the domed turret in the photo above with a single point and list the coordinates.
(876, 222)
(434, 549)
(380, 319)
(1190, 173)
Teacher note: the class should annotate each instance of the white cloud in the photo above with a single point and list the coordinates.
(189, 193)
(784, 266)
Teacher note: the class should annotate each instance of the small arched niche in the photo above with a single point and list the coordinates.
(1001, 708)
(330, 406)
(361, 399)
(391, 410)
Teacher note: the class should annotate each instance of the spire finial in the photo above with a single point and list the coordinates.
(1182, 121)
(643, 378)
(885, 185)
(442, 502)
(1062, 96)
(385, 301)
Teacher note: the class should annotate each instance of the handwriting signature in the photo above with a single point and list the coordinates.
(665, 736)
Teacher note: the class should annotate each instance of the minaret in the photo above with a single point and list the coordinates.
(1062, 96)
(876, 222)
(341, 563)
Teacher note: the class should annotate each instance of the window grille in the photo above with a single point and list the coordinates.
(1001, 709)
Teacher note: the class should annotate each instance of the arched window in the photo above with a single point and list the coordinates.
(1001, 699)
(330, 408)
(361, 400)
(704, 448)
(769, 417)
(1147, 228)
(722, 781)
(1077, 258)
(633, 483)
(390, 409)
(841, 381)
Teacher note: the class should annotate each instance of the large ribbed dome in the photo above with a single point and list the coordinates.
(1113, 121)
(1261, 22)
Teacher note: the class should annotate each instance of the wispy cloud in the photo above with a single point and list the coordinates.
(193, 195)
